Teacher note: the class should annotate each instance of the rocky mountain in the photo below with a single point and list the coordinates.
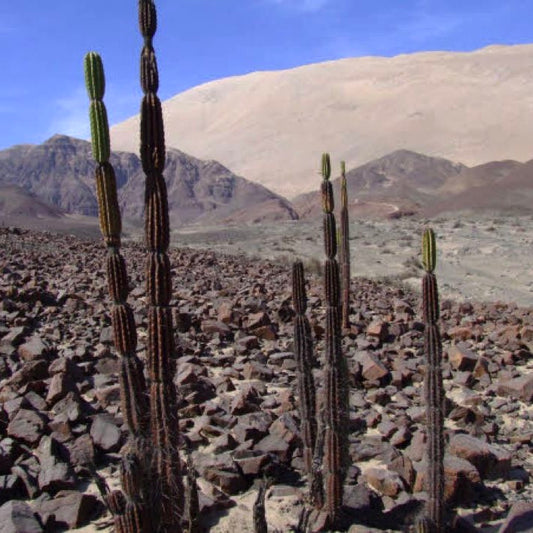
(471, 107)
(60, 172)
(400, 181)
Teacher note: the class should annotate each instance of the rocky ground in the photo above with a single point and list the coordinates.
(62, 430)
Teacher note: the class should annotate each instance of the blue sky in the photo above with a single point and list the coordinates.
(43, 44)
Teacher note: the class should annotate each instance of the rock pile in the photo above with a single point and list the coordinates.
(62, 431)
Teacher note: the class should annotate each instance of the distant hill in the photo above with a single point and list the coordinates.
(60, 172)
(480, 175)
(400, 181)
(15, 202)
(272, 127)
(510, 190)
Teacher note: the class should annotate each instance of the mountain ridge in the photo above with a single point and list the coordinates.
(60, 172)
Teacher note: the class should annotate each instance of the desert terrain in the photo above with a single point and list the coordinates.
(59, 383)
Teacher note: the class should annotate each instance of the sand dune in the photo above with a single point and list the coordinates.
(271, 127)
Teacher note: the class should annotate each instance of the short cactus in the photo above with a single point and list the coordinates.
(303, 349)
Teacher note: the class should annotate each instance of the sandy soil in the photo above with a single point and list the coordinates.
(469, 107)
(485, 257)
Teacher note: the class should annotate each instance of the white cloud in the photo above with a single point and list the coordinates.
(71, 115)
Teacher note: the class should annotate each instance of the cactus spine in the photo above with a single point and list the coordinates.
(168, 494)
(345, 249)
(336, 380)
(434, 392)
(127, 506)
(303, 349)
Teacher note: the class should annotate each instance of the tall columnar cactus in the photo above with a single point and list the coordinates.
(128, 506)
(303, 349)
(434, 392)
(345, 249)
(336, 373)
(168, 492)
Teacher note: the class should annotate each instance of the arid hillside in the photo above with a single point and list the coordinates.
(469, 107)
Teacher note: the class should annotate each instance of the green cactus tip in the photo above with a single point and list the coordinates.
(94, 75)
(326, 166)
(429, 250)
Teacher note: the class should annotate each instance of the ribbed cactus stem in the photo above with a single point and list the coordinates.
(434, 391)
(128, 506)
(345, 250)
(193, 504)
(168, 501)
(336, 372)
(303, 349)
(429, 250)
(94, 76)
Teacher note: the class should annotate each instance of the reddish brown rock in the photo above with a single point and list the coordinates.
(519, 519)
(105, 433)
(461, 357)
(230, 482)
(70, 509)
(34, 348)
(378, 329)
(55, 474)
(373, 369)
(59, 386)
(491, 461)
(27, 426)
(461, 480)
(18, 517)
(384, 481)
(520, 388)
(255, 370)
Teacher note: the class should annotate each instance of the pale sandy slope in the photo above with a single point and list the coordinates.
(271, 127)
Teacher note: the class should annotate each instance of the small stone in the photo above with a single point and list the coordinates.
(461, 477)
(373, 368)
(461, 357)
(491, 461)
(70, 509)
(274, 444)
(32, 349)
(254, 370)
(384, 481)
(229, 482)
(520, 388)
(60, 385)
(17, 517)
(55, 474)
(105, 433)
(378, 329)
(27, 426)
(519, 519)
